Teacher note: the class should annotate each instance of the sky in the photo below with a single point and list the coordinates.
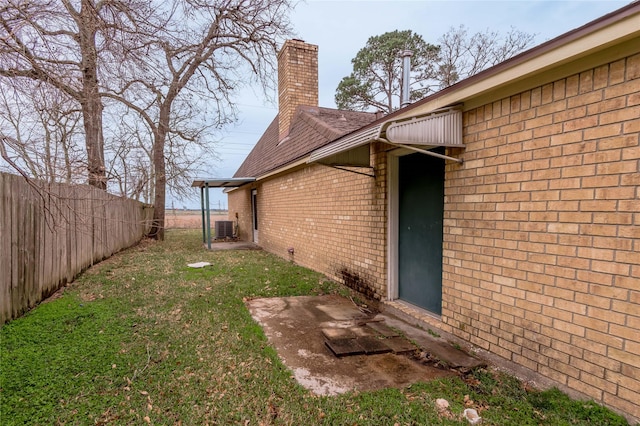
(341, 29)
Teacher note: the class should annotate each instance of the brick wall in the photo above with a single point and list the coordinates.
(334, 220)
(542, 232)
(239, 201)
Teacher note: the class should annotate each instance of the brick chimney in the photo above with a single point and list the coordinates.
(297, 80)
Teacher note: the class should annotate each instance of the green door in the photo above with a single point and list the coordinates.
(421, 207)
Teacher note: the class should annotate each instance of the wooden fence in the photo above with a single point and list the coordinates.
(49, 233)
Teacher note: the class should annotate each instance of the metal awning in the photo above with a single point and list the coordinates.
(221, 182)
(438, 128)
(350, 150)
(204, 185)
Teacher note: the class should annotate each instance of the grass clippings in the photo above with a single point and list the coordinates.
(142, 338)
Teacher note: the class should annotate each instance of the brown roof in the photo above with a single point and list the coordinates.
(311, 128)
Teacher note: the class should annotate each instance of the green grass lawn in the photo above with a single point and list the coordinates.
(141, 338)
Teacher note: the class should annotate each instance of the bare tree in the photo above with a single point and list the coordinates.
(63, 44)
(202, 54)
(129, 144)
(170, 62)
(41, 126)
(128, 155)
(463, 55)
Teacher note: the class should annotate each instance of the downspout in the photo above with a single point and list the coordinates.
(406, 75)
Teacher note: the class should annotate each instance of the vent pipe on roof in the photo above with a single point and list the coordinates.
(406, 75)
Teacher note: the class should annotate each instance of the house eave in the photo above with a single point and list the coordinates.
(221, 182)
(434, 129)
(347, 150)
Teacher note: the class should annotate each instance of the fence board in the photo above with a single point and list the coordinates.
(15, 260)
(49, 242)
(49, 233)
(57, 253)
(74, 235)
(5, 245)
(40, 276)
(29, 249)
(5, 249)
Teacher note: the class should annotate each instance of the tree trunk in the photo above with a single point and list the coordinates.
(92, 117)
(157, 226)
(91, 100)
(159, 167)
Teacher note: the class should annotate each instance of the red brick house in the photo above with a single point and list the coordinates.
(521, 237)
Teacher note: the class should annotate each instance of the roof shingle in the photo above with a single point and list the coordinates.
(311, 128)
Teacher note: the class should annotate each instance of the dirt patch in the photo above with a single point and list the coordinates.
(189, 219)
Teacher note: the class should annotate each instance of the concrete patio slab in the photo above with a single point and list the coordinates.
(383, 329)
(436, 346)
(233, 245)
(399, 345)
(294, 326)
(345, 347)
(373, 345)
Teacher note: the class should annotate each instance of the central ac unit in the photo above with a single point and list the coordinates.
(224, 229)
